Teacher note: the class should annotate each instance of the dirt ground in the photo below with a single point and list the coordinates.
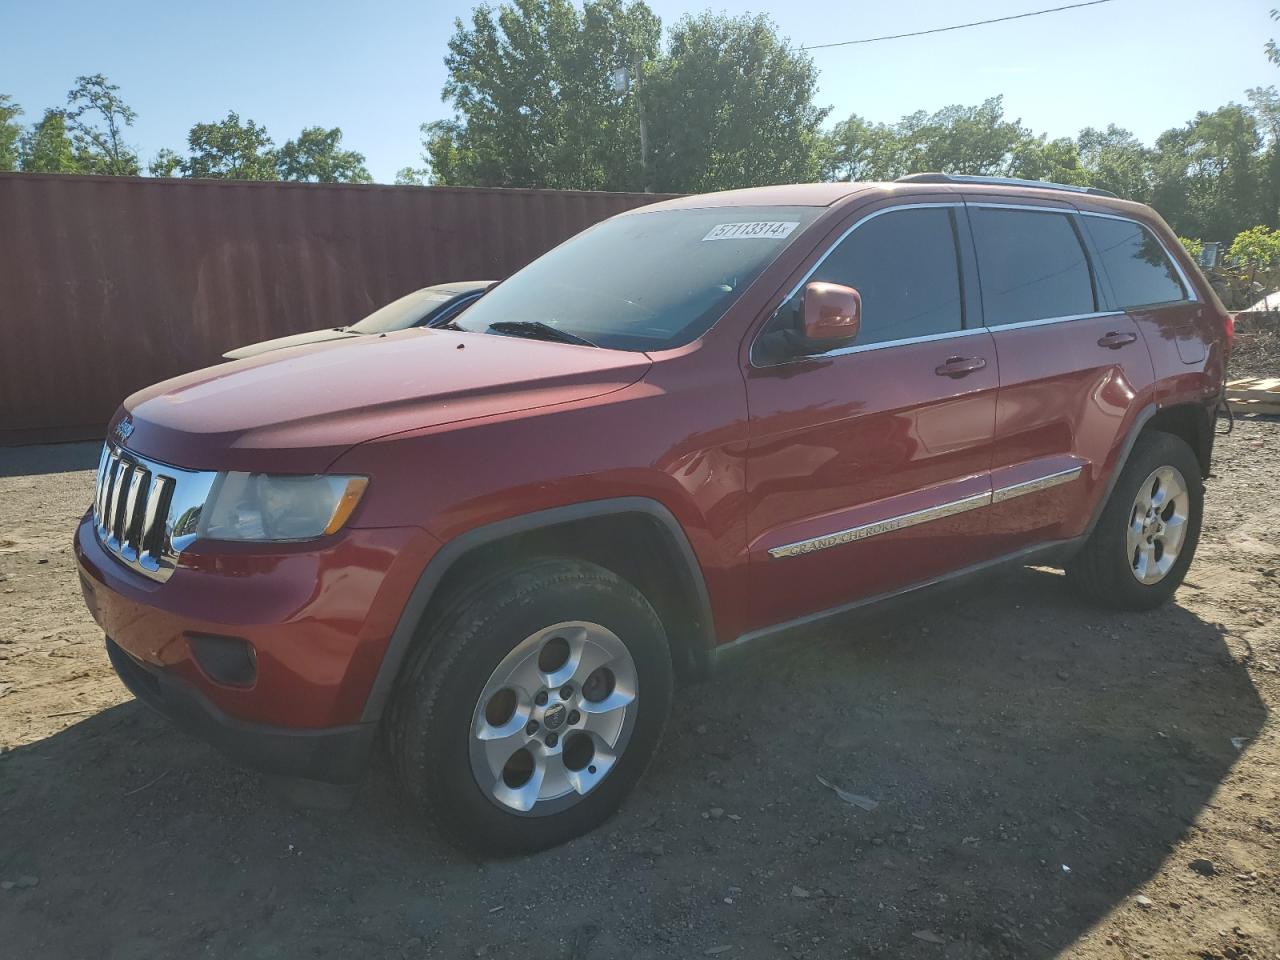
(1050, 779)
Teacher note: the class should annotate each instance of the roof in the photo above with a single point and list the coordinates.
(828, 194)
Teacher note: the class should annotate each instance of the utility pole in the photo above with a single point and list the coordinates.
(646, 175)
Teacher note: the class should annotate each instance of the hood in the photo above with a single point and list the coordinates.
(297, 410)
(296, 340)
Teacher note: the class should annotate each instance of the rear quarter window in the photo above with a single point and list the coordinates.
(1031, 265)
(1135, 263)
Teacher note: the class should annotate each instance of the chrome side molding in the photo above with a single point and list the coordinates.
(950, 509)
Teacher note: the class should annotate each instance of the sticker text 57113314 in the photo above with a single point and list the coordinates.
(754, 230)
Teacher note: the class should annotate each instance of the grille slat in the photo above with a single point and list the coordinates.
(151, 539)
(136, 503)
(113, 501)
(130, 535)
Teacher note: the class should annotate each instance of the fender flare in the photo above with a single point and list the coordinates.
(454, 550)
(1126, 448)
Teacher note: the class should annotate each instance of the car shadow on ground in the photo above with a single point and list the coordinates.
(1032, 762)
(39, 459)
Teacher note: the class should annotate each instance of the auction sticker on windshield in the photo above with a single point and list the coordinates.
(754, 230)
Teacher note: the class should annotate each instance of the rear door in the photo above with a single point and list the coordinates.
(1074, 372)
(868, 464)
(1143, 280)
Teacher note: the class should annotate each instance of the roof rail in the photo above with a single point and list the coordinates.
(1000, 182)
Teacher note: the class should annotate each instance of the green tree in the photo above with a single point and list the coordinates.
(530, 84)
(47, 148)
(1058, 161)
(317, 155)
(1206, 174)
(1193, 247)
(166, 163)
(1114, 159)
(95, 119)
(10, 132)
(959, 139)
(857, 149)
(731, 105)
(230, 150)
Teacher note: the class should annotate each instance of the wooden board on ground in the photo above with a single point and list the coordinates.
(1255, 395)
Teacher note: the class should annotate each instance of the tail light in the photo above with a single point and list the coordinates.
(1229, 330)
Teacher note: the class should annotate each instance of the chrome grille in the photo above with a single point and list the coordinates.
(146, 512)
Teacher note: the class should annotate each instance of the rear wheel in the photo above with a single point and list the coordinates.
(536, 707)
(1146, 538)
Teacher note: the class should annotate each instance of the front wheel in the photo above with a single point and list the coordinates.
(1146, 537)
(535, 707)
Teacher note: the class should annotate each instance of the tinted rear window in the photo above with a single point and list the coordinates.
(1135, 263)
(1031, 266)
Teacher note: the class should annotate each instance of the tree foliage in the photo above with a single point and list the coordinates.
(10, 133)
(731, 105)
(533, 88)
(96, 118)
(47, 147)
(316, 155)
(531, 85)
(230, 150)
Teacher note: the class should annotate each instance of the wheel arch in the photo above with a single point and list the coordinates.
(635, 537)
(1191, 422)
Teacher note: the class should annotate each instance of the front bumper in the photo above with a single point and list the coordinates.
(334, 755)
(318, 616)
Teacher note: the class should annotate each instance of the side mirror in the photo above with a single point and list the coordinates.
(832, 312)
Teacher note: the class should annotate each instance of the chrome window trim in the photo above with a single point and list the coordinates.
(1192, 295)
(864, 347)
(1021, 324)
(975, 501)
(831, 248)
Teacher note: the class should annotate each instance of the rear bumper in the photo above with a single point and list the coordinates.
(334, 755)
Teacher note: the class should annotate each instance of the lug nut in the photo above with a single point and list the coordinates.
(532, 728)
(574, 717)
(552, 739)
(541, 699)
(566, 692)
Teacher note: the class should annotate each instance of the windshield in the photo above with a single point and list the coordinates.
(645, 281)
(405, 312)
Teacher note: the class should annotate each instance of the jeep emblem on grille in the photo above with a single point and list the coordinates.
(124, 428)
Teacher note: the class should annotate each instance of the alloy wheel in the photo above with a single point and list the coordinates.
(1158, 524)
(554, 718)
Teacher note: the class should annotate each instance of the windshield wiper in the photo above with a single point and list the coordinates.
(537, 330)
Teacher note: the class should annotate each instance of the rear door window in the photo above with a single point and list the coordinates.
(1140, 271)
(1031, 265)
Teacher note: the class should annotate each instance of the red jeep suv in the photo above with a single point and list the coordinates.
(499, 544)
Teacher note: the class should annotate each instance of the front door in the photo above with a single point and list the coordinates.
(868, 465)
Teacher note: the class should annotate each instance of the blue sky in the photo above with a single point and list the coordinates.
(376, 69)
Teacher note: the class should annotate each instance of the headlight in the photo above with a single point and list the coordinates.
(259, 506)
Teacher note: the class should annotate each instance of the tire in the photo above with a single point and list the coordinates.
(491, 658)
(1124, 565)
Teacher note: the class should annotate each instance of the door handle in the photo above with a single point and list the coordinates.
(1115, 340)
(956, 367)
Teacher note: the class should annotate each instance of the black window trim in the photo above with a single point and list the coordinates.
(964, 331)
(1191, 294)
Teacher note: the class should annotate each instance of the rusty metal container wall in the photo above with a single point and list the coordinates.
(108, 284)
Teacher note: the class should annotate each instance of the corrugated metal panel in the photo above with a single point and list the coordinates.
(108, 284)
